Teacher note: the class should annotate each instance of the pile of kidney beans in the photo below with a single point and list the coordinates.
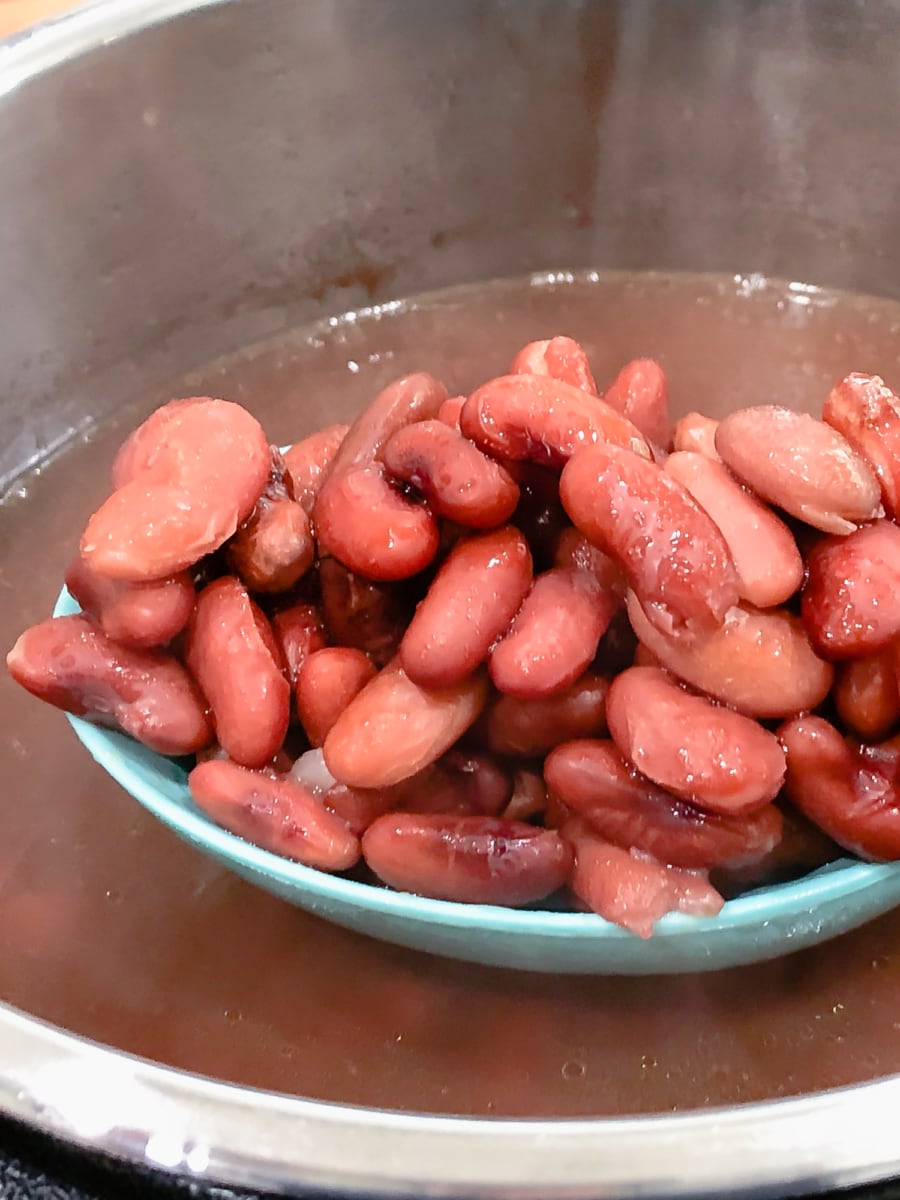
(488, 648)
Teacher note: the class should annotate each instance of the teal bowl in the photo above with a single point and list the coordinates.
(763, 924)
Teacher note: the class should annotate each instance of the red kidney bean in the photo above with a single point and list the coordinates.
(185, 480)
(702, 752)
(531, 728)
(232, 653)
(398, 537)
(800, 464)
(766, 557)
(697, 433)
(327, 682)
(299, 632)
(367, 616)
(274, 547)
(625, 808)
(554, 636)
(529, 796)
(450, 411)
(142, 615)
(307, 461)
(850, 599)
(640, 392)
(630, 888)
(274, 812)
(866, 695)
(357, 807)
(70, 663)
(574, 550)
(394, 728)
(542, 420)
(675, 557)
(470, 860)
(851, 792)
(486, 782)
(867, 412)
(760, 663)
(559, 358)
(459, 482)
(470, 603)
(803, 848)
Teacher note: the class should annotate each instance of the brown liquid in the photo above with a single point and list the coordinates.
(110, 927)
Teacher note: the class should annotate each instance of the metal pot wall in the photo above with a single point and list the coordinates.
(178, 180)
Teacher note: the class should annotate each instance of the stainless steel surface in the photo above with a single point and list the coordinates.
(177, 180)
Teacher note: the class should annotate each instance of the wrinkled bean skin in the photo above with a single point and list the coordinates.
(394, 728)
(140, 615)
(850, 792)
(542, 420)
(458, 482)
(368, 616)
(306, 463)
(554, 636)
(640, 392)
(531, 728)
(470, 604)
(759, 662)
(559, 358)
(850, 600)
(674, 555)
(702, 752)
(470, 860)
(768, 563)
(866, 695)
(399, 537)
(185, 480)
(867, 412)
(274, 549)
(70, 663)
(274, 812)
(327, 682)
(594, 781)
(299, 632)
(232, 653)
(696, 433)
(630, 888)
(801, 465)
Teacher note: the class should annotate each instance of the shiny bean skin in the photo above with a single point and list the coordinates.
(574, 550)
(232, 653)
(554, 636)
(141, 615)
(274, 812)
(451, 410)
(185, 481)
(702, 752)
(470, 860)
(531, 728)
(368, 616)
(759, 662)
(274, 549)
(625, 808)
(851, 792)
(675, 557)
(850, 599)
(399, 537)
(357, 807)
(536, 419)
(469, 605)
(299, 632)
(640, 392)
(307, 461)
(867, 412)
(394, 728)
(70, 663)
(559, 358)
(327, 682)
(696, 433)
(866, 695)
(458, 482)
(801, 465)
(632, 889)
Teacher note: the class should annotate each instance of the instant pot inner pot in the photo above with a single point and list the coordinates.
(228, 175)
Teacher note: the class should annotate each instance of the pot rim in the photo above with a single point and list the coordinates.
(171, 1120)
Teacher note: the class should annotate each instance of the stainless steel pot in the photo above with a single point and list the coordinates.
(179, 179)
